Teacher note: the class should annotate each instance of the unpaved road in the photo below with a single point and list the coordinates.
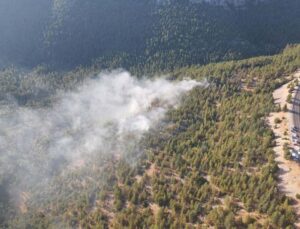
(289, 171)
(296, 109)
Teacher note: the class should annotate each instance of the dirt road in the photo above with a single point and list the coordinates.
(289, 171)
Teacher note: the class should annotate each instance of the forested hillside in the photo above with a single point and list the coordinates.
(143, 113)
(156, 35)
(210, 162)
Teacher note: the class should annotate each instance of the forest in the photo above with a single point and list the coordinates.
(209, 163)
(145, 35)
(206, 162)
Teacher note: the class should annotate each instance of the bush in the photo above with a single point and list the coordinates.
(287, 154)
(289, 98)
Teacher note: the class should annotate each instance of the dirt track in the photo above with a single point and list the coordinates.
(289, 173)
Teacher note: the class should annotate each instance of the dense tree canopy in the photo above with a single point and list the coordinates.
(210, 163)
(159, 35)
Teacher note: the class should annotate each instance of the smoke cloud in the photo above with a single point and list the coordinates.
(105, 115)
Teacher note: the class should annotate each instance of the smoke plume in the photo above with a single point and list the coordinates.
(105, 115)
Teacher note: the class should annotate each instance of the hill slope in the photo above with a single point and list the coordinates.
(210, 163)
(160, 35)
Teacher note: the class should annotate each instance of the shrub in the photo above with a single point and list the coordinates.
(289, 98)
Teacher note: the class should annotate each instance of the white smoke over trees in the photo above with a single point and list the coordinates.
(106, 115)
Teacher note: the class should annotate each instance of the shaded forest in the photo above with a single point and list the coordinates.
(152, 35)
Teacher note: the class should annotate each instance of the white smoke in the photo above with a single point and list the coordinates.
(102, 116)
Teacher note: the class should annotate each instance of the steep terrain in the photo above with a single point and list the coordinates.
(210, 163)
(143, 35)
(182, 138)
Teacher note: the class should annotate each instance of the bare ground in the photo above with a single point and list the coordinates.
(289, 171)
(23, 198)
